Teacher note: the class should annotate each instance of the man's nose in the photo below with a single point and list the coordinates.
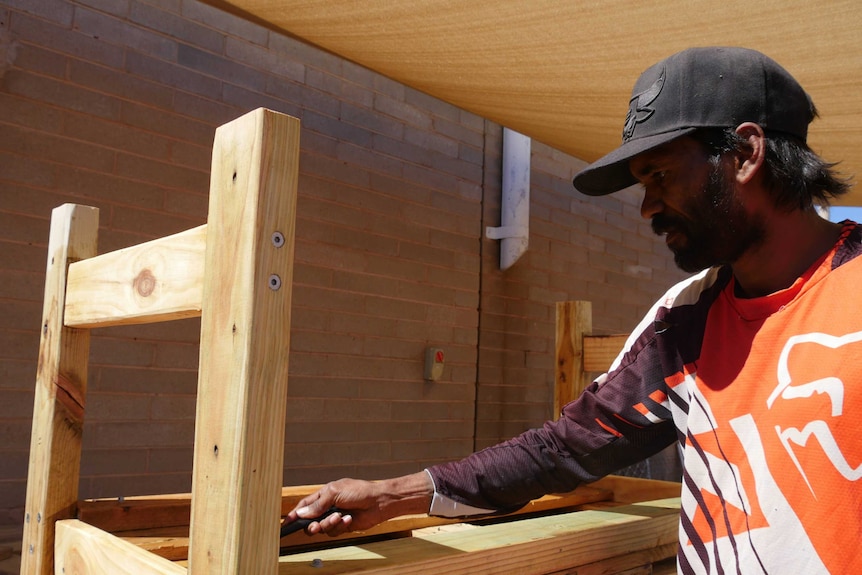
(651, 204)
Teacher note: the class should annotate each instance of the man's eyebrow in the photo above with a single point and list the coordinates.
(645, 170)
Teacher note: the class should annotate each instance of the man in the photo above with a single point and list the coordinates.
(752, 365)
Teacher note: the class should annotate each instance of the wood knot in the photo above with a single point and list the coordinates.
(145, 283)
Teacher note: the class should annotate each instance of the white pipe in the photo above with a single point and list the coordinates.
(515, 211)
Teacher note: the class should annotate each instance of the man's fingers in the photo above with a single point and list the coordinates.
(313, 506)
(333, 525)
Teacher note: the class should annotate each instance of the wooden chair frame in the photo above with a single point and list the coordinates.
(235, 272)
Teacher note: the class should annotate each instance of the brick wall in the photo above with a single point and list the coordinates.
(114, 103)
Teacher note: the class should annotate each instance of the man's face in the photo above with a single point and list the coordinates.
(694, 202)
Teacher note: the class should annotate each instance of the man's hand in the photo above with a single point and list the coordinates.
(363, 504)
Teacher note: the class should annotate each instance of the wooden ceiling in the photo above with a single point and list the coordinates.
(561, 71)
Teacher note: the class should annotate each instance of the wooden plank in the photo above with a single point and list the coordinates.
(144, 513)
(159, 280)
(534, 546)
(85, 550)
(574, 320)
(601, 350)
(245, 340)
(173, 543)
(640, 562)
(636, 489)
(61, 384)
(136, 514)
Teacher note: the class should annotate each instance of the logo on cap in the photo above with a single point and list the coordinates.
(639, 110)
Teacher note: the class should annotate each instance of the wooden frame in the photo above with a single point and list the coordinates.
(236, 273)
(579, 353)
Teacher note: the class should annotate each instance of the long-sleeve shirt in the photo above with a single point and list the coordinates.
(763, 395)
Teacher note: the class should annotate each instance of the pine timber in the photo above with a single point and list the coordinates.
(579, 353)
(574, 319)
(160, 280)
(61, 385)
(245, 341)
(235, 271)
(538, 546)
(601, 350)
(172, 543)
(83, 549)
(154, 512)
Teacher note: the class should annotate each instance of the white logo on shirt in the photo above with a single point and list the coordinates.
(819, 429)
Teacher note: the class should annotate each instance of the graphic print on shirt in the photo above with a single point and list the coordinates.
(772, 463)
(792, 388)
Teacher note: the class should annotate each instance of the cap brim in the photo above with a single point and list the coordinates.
(611, 173)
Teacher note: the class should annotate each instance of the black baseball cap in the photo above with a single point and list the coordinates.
(712, 87)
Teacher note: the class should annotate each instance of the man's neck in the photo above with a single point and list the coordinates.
(794, 241)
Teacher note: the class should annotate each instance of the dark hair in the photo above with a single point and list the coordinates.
(796, 177)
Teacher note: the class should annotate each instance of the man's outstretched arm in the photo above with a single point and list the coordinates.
(364, 504)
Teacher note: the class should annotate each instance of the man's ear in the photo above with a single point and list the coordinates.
(750, 160)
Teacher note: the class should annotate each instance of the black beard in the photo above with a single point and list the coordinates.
(716, 228)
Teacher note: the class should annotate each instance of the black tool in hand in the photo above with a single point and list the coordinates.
(302, 523)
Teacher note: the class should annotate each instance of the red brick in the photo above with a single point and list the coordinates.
(390, 307)
(221, 20)
(333, 342)
(131, 485)
(177, 27)
(168, 460)
(140, 434)
(161, 173)
(12, 495)
(435, 106)
(301, 51)
(173, 355)
(18, 375)
(19, 228)
(32, 114)
(53, 10)
(399, 109)
(35, 59)
(388, 431)
(244, 100)
(192, 205)
(359, 155)
(115, 7)
(170, 74)
(307, 387)
(62, 94)
(116, 82)
(181, 127)
(173, 407)
(112, 30)
(470, 136)
(444, 448)
(113, 461)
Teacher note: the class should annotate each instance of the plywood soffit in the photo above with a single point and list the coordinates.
(561, 72)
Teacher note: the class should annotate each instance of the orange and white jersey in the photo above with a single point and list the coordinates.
(764, 395)
(773, 449)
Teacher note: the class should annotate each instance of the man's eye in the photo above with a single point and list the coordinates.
(659, 176)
